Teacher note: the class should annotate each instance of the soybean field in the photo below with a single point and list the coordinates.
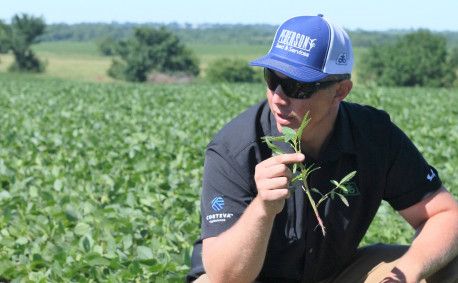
(100, 182)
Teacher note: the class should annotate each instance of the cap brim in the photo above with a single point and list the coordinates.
(293, 70)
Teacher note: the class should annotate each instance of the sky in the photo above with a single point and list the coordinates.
(435, 15)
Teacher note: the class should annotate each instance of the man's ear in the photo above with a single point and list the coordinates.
(343, 88)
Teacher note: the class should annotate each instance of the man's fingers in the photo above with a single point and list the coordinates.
(274, 183)
(277, 170)
(288, 158)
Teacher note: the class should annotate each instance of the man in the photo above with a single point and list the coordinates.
(255, 229)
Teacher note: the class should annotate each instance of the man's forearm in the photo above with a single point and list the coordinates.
(237, 255)
(432, 248)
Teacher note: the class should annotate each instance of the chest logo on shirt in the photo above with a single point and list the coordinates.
(352, 189)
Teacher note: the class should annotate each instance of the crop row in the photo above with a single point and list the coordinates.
(101, 182)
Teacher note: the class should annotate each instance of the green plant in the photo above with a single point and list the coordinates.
(294, 139)
(106, 45)
(231, 71)
(417, 59)
(116, 169)
(151, 50)
(18, 37)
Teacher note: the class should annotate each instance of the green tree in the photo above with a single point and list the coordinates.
(453, 58)
(416, 59)
(106, 45)
(231, 70)
(18, 37)
(149, 50)
(4, 41)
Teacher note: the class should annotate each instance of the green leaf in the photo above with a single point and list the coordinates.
(316, 191)
(99, 261)
(134, 267)
(72, 213)
(348, 177)
(58, 185)
(272, 138)
(343, 188)
(144, 253)
(304, 123)
(276, 150)
(335, 183)
(86, 244)
(344, 200)
(288, 133)
(56, 270)
(22, 241)
(127, 241)
(82, 229)
(297, 178)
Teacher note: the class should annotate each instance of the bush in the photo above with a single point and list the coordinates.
(107, 45)
(231, 71)
(116, 70)
(27, 62)
(416, 59)
(152, 50)
(23, 31)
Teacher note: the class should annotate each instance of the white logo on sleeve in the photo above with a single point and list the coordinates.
(431, 176)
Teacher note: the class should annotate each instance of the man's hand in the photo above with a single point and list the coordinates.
(272, 177)
(396, 276)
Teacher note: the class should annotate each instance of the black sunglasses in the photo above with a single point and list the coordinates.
(293, 88)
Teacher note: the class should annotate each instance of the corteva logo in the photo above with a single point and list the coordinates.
(218, 217)
(290, 40)
(217, 203)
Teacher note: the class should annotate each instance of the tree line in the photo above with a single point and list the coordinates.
(253, 34)
(417, 58)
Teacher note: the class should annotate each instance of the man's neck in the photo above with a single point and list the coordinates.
(315, 139)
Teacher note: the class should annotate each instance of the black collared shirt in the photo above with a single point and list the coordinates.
(388, 165)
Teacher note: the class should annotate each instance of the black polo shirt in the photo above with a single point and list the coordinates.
(388, 165)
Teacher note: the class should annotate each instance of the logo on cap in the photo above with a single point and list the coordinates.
(342, 59)
(295, 42)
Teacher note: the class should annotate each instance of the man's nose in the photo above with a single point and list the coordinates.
(279, 96)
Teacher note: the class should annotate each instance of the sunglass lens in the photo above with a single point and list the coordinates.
(291, 88)
(271, 80)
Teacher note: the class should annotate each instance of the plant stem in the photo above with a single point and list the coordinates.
(312, 202)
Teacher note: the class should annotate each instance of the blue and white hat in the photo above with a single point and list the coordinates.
(308, 49)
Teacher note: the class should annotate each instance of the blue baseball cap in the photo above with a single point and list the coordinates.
(308, 49)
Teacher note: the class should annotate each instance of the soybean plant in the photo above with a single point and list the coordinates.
(293, 138)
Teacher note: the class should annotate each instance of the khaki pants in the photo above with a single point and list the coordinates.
(372, 263)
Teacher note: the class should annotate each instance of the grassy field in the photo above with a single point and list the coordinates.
(80, 61)
(68, 60)
(100, 182)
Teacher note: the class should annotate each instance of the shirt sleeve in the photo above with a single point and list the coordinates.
(410, 178)
(225, 192)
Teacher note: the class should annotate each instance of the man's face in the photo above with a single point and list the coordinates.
(290, 112)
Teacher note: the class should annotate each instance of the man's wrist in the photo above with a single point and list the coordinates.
(263, 210)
